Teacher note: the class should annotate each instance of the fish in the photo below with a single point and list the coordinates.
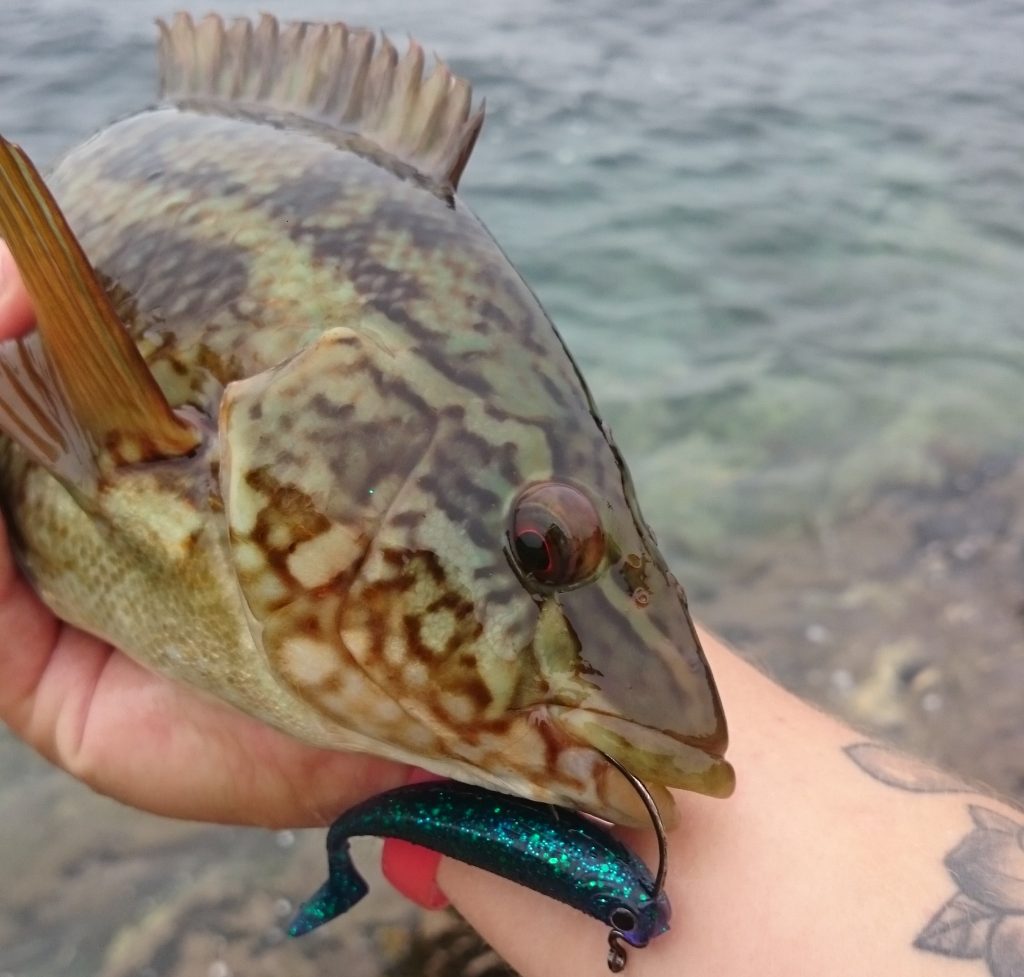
(551, 850)
(293, 430)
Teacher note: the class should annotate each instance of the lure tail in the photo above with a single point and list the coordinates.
(342, 890)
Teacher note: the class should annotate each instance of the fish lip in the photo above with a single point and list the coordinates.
(652, 755)
(713, 745)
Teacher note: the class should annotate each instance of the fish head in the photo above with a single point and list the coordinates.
(465, 582)
(618, 664)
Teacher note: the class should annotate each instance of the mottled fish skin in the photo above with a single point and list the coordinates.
(377, 387)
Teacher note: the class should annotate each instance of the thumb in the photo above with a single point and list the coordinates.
(16, 315)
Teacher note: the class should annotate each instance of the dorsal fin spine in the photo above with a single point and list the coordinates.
(331, 74)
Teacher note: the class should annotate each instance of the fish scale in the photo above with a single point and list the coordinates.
(354, 394)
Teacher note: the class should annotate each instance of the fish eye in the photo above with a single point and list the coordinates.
(623, 919)
(555, 536)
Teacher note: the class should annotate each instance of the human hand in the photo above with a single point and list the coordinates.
(140, 738)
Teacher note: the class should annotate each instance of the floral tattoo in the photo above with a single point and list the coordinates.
(984, 920)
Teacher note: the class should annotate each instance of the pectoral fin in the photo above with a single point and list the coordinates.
(85, 390)
(35, 414)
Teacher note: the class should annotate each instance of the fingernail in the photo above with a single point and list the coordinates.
(410, 868)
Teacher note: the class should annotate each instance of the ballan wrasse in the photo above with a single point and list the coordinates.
(293, 430)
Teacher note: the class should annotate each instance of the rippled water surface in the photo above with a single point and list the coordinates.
(785, 241)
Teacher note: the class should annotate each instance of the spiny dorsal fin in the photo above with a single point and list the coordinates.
(85, 392)
(329, 73)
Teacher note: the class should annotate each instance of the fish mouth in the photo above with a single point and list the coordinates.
(661, 760)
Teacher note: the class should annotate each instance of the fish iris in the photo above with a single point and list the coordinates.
(556, 535)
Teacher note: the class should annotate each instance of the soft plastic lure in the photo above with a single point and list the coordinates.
(551, 850)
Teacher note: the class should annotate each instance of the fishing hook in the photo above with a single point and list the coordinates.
(617, 955)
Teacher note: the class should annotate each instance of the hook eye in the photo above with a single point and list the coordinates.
(617, 955)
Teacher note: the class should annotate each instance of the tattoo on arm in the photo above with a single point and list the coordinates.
(984, 920)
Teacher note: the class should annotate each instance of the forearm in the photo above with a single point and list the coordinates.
(814, 866)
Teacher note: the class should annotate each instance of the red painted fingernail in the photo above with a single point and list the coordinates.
(410, 868)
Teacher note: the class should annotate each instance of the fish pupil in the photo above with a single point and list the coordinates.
(533, 551)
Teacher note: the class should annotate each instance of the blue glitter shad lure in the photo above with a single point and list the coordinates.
(552, 850)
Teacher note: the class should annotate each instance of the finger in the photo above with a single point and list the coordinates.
(541, 937)
(148, 742)
(537, 936)
(30, 631)
(161, 747)
(412, 869)
(16, 315)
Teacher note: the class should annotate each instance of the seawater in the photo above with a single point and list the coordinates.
(785, 241)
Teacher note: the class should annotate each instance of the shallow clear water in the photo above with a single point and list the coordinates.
(785, 241)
